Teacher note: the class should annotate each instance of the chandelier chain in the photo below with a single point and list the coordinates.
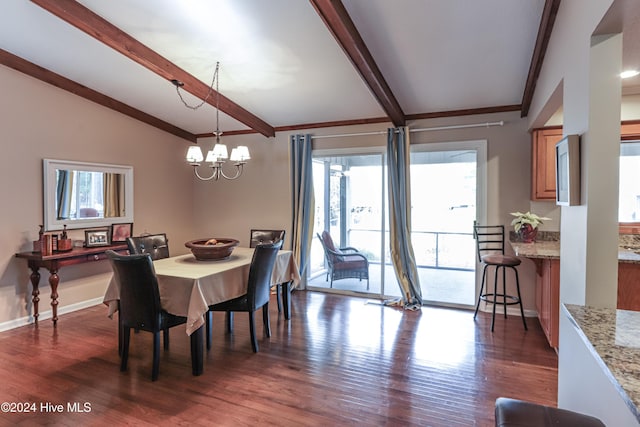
(209, 92)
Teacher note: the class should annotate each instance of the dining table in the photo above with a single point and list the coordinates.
(188, 287)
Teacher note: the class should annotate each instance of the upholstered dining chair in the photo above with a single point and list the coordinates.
(156, 245)
(258, 292)
(139, 305)
(490, 243)
(259, 237)
(343, 263)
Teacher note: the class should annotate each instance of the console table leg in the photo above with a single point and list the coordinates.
(35, 282)
(53, 281)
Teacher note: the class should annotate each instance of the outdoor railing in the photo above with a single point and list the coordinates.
(432, 249)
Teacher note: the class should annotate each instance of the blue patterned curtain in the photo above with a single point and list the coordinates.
(302, 199)
(404, 263)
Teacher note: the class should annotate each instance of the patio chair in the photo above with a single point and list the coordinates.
(343, 263)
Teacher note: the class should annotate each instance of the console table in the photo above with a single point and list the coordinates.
(53, 263)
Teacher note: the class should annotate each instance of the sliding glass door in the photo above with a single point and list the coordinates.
(447, 190)
(350, 205)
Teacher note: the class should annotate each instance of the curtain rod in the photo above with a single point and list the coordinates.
(382, 132)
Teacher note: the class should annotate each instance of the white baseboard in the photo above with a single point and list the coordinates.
(47, 314)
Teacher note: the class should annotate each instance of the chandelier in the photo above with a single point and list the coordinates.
(218, 155)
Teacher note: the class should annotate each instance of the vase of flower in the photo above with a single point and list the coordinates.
(526, 225)
(527, 233)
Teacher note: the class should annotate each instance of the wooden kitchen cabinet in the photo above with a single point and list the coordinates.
(628, 286)
(548, 297)
(543, 163)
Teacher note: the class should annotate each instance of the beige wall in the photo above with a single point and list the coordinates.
(41, 121)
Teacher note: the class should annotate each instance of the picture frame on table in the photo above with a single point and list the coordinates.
(568, 171)
(120, 232)
(97, 237)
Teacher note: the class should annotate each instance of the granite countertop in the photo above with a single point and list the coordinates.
(544, 249)
(614, 336)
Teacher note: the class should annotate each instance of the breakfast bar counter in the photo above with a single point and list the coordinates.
(547, 249)
(537, 250)
(546, 256)
(599, 370)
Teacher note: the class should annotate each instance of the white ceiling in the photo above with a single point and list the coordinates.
(280, 62)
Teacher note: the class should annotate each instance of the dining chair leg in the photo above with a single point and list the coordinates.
(265, 319)
(165, 335)
(126, 335)
(252, 331)
(279, 291)
(229, 321)
(286, 299)
(156, 356)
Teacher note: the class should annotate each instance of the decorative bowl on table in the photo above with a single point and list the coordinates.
(212, 248)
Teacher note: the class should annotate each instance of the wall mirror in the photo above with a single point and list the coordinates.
(85, 195)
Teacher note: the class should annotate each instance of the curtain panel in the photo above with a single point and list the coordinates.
(64, 187)
(113, 195)
(302, 200)
(402, 255)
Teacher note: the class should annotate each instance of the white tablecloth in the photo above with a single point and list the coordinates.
(188, 286)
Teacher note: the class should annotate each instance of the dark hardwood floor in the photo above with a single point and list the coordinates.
(339, 361)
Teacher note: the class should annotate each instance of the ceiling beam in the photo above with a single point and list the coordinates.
(97, 27)
(19, 64)
(338, 21)
(465, 112)
(542, 42)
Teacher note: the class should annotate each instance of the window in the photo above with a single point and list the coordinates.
(629, 201)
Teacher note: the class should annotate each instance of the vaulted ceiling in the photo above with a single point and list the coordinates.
(284, 64)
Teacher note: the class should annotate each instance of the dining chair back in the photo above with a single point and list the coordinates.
(154, 244)
(258, 291)
(259, 237)
(139, 305)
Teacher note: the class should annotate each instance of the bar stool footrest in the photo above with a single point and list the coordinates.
(491, 298)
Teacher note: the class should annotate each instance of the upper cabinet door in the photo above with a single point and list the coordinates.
(543, 166)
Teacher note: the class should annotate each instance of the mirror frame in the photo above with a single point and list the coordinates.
(50, 166)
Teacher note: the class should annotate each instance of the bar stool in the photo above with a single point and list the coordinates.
(490, 245)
